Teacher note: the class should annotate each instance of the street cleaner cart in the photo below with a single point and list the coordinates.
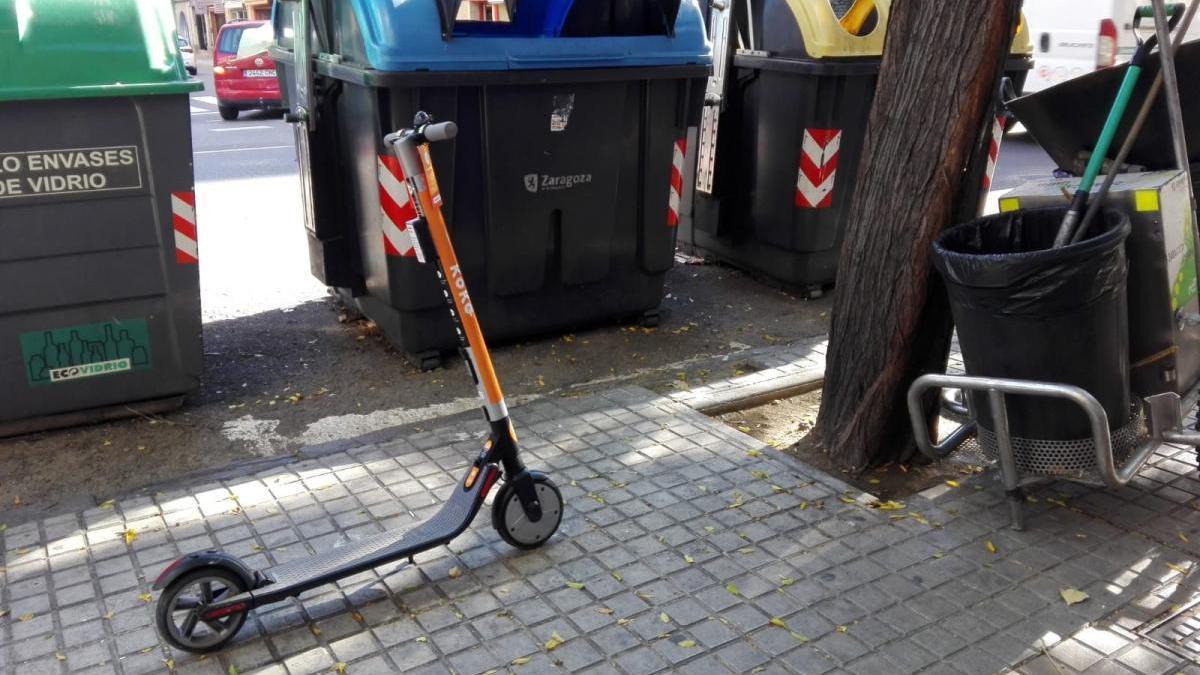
(1077, 311)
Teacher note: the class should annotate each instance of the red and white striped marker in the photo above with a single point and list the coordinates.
(818, 168)
(679, 150)
(183, 221)
(994, 150)
(395, 208)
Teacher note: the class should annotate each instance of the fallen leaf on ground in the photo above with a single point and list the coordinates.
(357, 617)
(799, 637)
(761, 475)
(938, 555)
(233, 670)
(709, 529)
(738, 501)
(60, 656)
(1178, 568)
(25, 617)
(616, 576)
(603, 610)
(1073, 596)
(576, 585)
(1183, 537)
(842, 629)
(753, 453)
(130, 536)
(746, 550)
(596, 498)
(687, 644)
(688, 559)
(663, 617)
(888, 505)
(952, 483)
(107, 504)
(1058, 502)
(554, 641)
(733, 590)
(778, 622)
(145, 597)
(454, 573)
(315, 631)
(169, 663)
(622, 622)
(786, 581)
(991, 548)
(520, 660)
(423, 639)
(845, 500)
(338, 667)
(108, 615)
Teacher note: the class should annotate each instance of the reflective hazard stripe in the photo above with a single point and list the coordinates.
(183, 222)
(679, 150)
(993, 150)
(395, 208)
(818, 168)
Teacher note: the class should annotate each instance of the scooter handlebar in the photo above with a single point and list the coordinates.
(442, 131)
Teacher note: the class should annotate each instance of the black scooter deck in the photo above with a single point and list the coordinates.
(297, 576)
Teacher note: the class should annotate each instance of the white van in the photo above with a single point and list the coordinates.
(1073, 37)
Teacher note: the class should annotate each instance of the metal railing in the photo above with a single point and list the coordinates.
(1162, 413)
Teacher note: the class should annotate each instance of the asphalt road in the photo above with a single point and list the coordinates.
(284, 369)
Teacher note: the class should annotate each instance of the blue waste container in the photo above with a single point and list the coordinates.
(562, 187)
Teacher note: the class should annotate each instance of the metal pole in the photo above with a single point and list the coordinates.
(1136, 128)
(1008, 463)
(1171, 81)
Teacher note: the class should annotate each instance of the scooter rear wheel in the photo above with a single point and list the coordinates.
(509, 519)
(179, 606)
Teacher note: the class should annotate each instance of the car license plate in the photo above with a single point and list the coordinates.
(268, 72)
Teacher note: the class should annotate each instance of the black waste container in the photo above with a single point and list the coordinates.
(561, 188)
(773, 192)
(1026, 311)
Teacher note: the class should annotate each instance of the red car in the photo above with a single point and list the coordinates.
(243, 71)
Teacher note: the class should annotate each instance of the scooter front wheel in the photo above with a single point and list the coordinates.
(509, 519)
(179, 607)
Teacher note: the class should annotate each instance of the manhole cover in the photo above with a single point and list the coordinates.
(1179, 632)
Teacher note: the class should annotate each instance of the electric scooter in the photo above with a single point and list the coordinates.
(206, 596)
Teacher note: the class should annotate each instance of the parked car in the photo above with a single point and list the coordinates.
(189, 56)
(1073, 37)
(243, 71)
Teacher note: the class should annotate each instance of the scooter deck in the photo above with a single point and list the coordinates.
(297, 576)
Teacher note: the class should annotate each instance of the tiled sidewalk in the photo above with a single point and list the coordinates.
(698, 549)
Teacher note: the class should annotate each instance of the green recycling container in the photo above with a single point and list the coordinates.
(100, 313)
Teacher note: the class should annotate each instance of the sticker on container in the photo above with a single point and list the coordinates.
(183, 222)
(395, 208)
(59, 355)
(818, 168)
(42, 173)
(560, 116)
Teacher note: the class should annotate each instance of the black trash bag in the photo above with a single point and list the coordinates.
(1024, 310)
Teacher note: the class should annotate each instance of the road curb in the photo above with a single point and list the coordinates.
(740, 393)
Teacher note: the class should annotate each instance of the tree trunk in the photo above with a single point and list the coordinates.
(891, 320)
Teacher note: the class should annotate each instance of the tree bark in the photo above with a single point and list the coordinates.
(891, 319)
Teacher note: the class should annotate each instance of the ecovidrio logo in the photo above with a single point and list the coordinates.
(535, 183)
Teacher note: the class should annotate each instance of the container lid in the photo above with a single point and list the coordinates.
(84, 48)
(856, 29)
(440, 35)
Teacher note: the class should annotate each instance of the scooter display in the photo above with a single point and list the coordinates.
(206, 596)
